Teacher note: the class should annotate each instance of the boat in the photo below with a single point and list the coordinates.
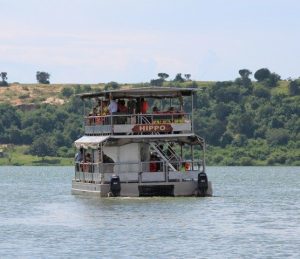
(140, 142)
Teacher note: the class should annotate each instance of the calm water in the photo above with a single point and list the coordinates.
(255, 214)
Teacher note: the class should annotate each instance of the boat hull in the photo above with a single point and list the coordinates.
(188, 188)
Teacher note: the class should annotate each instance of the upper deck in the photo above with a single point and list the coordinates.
(142, 111)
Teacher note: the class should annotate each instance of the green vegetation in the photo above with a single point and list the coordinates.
(17, 155)
(3, 81)
(42, 77)
(244, 122)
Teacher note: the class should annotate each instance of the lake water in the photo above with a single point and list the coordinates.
(255, 213)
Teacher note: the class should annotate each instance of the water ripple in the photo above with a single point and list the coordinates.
(254, 214)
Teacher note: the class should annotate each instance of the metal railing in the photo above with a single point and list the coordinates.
(138, 172)
(121, 118)
(124, 123)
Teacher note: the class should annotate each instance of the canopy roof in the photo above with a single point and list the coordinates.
(147, 92)
(94, 141)
(90, 141)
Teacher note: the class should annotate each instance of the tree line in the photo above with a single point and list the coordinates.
(244, 122)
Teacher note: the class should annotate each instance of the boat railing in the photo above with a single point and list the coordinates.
(138, 172)
(124, 123)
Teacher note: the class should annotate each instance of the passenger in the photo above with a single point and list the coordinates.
(182, 168)
(144, 106)
(185, 166)
(155, 110)
(91, 119)
(88, 158)
(95, 112)
(105, 110)
(131, 106)
(122, 107)
(171, 110)
(113, 106)
(153, 163)
(99, 106)
(78, 159)
(86, 163)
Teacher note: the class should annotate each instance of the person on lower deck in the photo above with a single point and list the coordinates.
(79, 158)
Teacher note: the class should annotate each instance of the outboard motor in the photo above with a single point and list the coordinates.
(202, 184)
(115, 185)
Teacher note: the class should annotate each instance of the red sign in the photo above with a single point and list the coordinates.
(152, 128)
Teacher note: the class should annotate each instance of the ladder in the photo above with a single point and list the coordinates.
(164, 156)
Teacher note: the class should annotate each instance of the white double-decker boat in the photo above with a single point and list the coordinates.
(146, 148)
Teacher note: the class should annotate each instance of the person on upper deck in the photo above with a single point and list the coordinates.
(155, 110)
(122, 107)
(171, 110)
(144, 106)
(104, 108)
(113, 106)
(131, 106)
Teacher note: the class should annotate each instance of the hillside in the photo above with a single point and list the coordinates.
(28, 94)
(244, 122)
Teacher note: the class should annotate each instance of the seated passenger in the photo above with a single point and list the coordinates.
(155, 110)
(171, 110)
(131, 106)
(98, 106)
(86, 163)
(104, 108)
(122, 107)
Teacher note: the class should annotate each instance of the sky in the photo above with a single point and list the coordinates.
(131, 41)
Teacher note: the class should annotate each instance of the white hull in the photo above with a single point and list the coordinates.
(188, 188)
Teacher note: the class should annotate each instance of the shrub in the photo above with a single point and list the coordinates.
(67, 91)
(24, 96)
(262, 92)
(278, 136)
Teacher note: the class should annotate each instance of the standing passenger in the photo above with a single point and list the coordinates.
(113, 106)
(144, 106)
(78, 159)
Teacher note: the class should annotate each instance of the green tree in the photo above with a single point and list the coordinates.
(3, 76)
(262, 92)
(222, 110)
(67, 91)
(245, 73)
(241, 124)
(43, 146)
(178, 78)
(278, 137)
(156, 82)
(294, 87)
(187, 76)
(272, 80)
(262, 74)
(42, 77)
(163, 76)
(245, 81)
(112, 85)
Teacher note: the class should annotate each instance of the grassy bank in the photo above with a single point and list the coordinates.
(17, 156)
(254, 154)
